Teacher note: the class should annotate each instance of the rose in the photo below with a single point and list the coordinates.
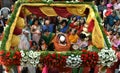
(1, 52)
(8, 54)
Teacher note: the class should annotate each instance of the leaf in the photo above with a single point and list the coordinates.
(75, 70)
(81, 70)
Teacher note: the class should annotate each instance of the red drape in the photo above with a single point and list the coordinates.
(35, 10)
(62, 11)
(91, 26)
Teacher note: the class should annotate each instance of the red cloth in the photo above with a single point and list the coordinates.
(35, 10)
(91, 26)
(62, 11)
(80, 29)
(108, 13)
(72, 25)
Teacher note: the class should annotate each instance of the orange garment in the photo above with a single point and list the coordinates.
(73, 38)
(59, 47)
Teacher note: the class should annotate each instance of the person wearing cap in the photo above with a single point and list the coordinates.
(24, 43)
(111, 20)
(108, 11)
(61, 42)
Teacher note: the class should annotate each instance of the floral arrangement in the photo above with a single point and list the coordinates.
(36, 0)
(107, 57)
(56, 60)
(30, 58)
(89, 58)
(73, 61)
(10, 58)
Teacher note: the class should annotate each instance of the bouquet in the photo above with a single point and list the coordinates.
(30, 58)
(89, 58)
(107, 57)
(73, 61)
(55, 60)
(10, 58)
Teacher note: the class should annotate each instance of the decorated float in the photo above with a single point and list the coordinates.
(100, 54)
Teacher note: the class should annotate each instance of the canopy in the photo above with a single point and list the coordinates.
(59, 9)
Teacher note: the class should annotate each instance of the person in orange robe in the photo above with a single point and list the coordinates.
(61, 42)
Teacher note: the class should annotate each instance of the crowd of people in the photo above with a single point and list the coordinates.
(67, 34)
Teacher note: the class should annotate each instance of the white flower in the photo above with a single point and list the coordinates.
(31, 61)
(31, 54)
(22, 53)
(30, 58)
(73, 61)
(107, 57)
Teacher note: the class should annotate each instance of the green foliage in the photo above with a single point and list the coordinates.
(7, 31)
(100, 22)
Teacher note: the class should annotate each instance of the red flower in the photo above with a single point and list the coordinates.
(14, 57)
(84, 51)
(1, 52)
(17, 53)
(54, 55)
(8, 54)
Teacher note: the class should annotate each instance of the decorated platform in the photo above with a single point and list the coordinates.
(99, 54)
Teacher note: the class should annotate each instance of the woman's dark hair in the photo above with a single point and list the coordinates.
(36, 20)
(82, 36)
(64, 21)
(74, 17)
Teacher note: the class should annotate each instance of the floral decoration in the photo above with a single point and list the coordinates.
(107, 57)
(56, 60)
(30, 58)
(10, 58)
(89, 58)
(73, 61)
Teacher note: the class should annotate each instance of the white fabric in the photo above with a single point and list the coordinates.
(24, 43)
(31, 69)
(62, 38)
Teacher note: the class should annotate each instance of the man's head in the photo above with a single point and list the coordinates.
(47, 22)
(102, 3)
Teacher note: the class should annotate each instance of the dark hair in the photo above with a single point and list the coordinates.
(34, 43)
(75, 19)
(63, 21)
(82, 36)
(119, 47)
(119, 33)
(46, 30)
(59, 35)
(36, 20)
(75, 31)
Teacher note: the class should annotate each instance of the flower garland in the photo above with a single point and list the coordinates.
(89, 58)
(30, 58)
(56, 60)
(10, 58)
(73, 61)
(107, 57)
